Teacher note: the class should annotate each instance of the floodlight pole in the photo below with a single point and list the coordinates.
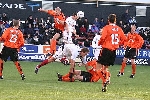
(96, 3)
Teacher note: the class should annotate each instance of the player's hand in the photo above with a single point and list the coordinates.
(40, 9)
(79, 64)
(0, 38)
(18, 49)
(76, 35)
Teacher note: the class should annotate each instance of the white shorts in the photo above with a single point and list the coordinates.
(59, 53)
(96, 52)
(71, 51)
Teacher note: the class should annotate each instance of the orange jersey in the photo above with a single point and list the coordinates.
(112, 37)
(134, 41)
(12, 38)
(61, 17)
(95, 77)
(92, 64)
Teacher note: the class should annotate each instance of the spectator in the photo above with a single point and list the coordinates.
(94, 29)
(36, 21)
(42, 29)
(148, 34)
(30, 20)
(41, 21)
(51, 32)
(86, 43)
(77, 30)
(1, 29)
(49, 20)
(97, 23)
(126, 28)
(29, 30)
(40, 36)
(82, 31)
(48, 24)
(146, 45)
(36, 28)
(26, 24)
(21, 27)
(86, 24)
(79, 22)
(120, 24)
(5, 18)
(143, 34)
(141, 30)
(7, 25)
(102, 23)
(28, 39)
(46, 43)
(46, 35)
(125, 17)
(35, 40)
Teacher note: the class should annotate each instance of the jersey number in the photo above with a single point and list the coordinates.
(114, 39)
(13, 38)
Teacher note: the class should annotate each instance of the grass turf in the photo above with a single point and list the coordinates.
(44, 85)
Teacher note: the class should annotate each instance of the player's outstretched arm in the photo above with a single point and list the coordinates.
(42, 10)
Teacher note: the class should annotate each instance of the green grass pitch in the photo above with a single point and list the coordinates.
(44, 85)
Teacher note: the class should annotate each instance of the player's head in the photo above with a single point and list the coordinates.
(112, 18)
(133, 28)
(16, 23)
(78, 15)
(58, 10)
(84, 52)
(75, 17)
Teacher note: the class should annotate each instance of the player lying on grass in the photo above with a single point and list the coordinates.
(90, 75)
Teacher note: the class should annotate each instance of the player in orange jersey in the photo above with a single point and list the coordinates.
(84, 76)
(59, 24)
(111, 38)
(59, 20)
(134, 42)
(13, 40)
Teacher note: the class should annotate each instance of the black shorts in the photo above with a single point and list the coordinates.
(86, 76)
(130, 53)
(107, 57)
(9, 52)
(59, 32)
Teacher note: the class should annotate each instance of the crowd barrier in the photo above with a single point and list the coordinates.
(39, 53)
(143, 57)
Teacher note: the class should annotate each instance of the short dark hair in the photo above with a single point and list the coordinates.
(112, 18)
(85, 50)
(74, 14)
